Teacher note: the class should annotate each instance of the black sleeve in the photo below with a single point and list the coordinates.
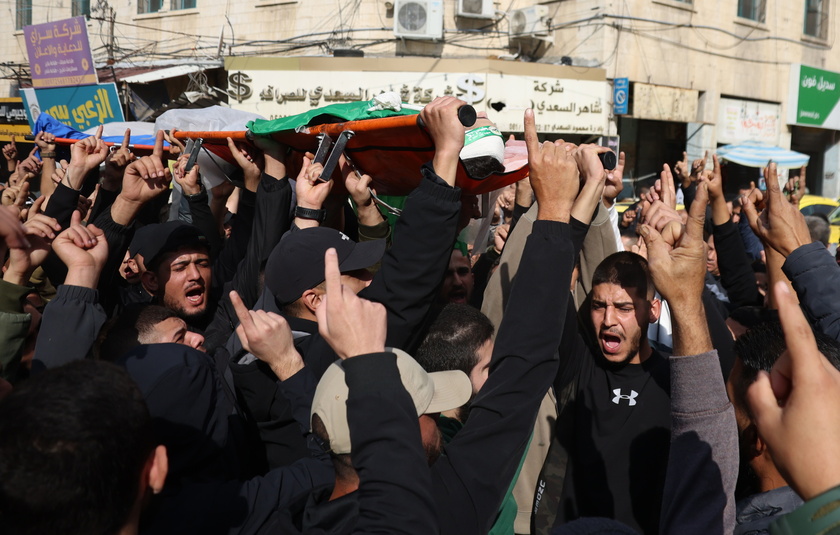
(471, 478)
(63, 202)
(815, 276)
(395, 487)
(69, 327)
(272, 218)
(722, 339)
(104, 199)
(736, 274)
(224, 268)
(118, 237)
(413, 268)
(481, 274)
(203, 220)
(688, 194)
(518, 211)
(61, 205)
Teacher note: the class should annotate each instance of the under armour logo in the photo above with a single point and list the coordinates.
(344, 237)
(619, 396)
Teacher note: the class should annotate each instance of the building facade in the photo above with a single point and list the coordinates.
(699, 74)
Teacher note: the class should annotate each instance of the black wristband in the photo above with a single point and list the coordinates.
(308, 213)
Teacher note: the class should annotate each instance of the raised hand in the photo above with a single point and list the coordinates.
(554, 174)
(190, 182)
(447, 132)
(146, 177)
(781, 225)
(85, 156)
(682, 170)
(351, 325)
(697, 166)
(358, 186)
(794, 406)
(594, 180)
(252, 162)
(268, 337)
(40, 230)
(679, 269)
(678, 273)
(311, 191)
(84, 250)
(615, 183)
(46, 143)
(10, 152)
(116, 163)
(12, 232)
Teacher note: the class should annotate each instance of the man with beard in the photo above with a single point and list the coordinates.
(458, 282)
(763, 493)
(615, 427)
(178, 271)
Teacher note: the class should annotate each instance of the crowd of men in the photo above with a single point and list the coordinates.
(280, 358)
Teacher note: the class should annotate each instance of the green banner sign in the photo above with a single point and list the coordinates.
(814, 95)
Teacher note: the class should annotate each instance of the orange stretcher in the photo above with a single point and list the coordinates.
(391, 150)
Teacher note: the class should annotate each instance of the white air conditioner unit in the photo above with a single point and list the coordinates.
(477, 9)
(530, 22)
(418, 19)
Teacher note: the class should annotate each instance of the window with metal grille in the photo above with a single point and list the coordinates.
(80, 7)
(23, 13)
(149, 6)
(183, 4)
(751, 9)
(816, 18)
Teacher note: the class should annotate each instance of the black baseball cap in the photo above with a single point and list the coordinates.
(297, 263)
(153, 241)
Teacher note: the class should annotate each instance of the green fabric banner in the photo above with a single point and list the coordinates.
(350, 111)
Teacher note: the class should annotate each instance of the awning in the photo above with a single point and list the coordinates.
(163, 74)
(751, 154)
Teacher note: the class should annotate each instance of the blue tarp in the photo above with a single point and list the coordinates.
(751, 154)
(47, 123)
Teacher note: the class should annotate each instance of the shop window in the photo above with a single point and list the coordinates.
(149, 6)
(23, 13)
(816, 18)
(751, 9)
(80, 7)
(183, 4)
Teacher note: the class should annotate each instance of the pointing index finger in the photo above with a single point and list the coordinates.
(697, 212)
(332, 275)
(158, 150)
(126, 138)
(241, 311)
(799, 338)
(99, 130)
(531, 141)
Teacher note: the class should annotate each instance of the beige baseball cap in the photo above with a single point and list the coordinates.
(431, 393)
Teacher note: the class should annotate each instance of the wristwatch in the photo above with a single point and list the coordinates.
(308, 213)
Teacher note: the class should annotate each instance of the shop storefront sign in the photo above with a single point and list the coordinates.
(59, 53)
(747, 120)
(561, 105)
(813, 97)
(78, 107)
(13, 119)
(660, 103)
